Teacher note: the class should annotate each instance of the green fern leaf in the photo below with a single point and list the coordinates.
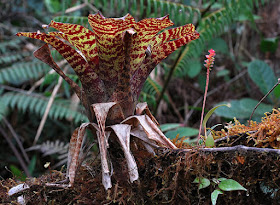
(37, 104)
(22, 72)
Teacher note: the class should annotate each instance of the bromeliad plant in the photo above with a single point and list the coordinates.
(112, 63)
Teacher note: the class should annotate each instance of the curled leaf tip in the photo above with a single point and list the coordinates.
(45, 26)
(166, 16)
(100, 14)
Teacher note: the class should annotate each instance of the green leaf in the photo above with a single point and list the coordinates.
(169, 126)
(269, 44)
(230, 185)
(243, 108)
(50, 78)
(182, 131)
(203, 182)
(3, 110)
(194, 68)
(262, 75)
(276, 91)
(53, 5)
(209, 142)
(32, 164)
(17, 173)
(219, 45)
(223, 73)
(222, 179)
(208, 115)
(214, 196)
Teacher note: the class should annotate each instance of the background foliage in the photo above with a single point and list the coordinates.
(242, 32)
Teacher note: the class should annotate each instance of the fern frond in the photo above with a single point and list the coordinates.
(179, 13)
(210, 27)
(50, 148)
(73, 19)
(3, 110)
(10, 44)
(21, 72)
(37, 104)
(13, 57)
(151, 90)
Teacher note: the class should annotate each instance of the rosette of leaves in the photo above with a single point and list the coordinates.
(112, 62)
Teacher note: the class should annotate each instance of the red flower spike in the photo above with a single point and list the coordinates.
(210, 59)
(209, 63)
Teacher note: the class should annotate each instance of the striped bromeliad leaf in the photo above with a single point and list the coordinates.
(112, 62)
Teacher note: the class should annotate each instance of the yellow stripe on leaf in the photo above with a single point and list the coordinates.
(158, 53)
(172, 34)
(145, 29)
(89, 79)
(80, 37)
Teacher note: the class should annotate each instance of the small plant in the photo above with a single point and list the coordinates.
(209, 62)
(221, 184)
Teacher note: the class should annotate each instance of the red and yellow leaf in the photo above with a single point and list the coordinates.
(93, 85)
(145, 29)
(80, 37)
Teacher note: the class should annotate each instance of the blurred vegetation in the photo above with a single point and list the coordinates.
(241, 32)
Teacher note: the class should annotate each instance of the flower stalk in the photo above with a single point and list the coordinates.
(209, 62)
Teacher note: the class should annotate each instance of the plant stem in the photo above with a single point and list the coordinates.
(278, 83)
(167, 82)
(16, 152)
(203, 106)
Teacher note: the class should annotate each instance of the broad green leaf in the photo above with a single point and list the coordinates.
(219, 45)
(182, 131)
(214, 196)
(203, 182)
(269, 44)
(169, 126)
(262, 75)
(230, 185)
(242, 109)
(195, 68)
(222, 179)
